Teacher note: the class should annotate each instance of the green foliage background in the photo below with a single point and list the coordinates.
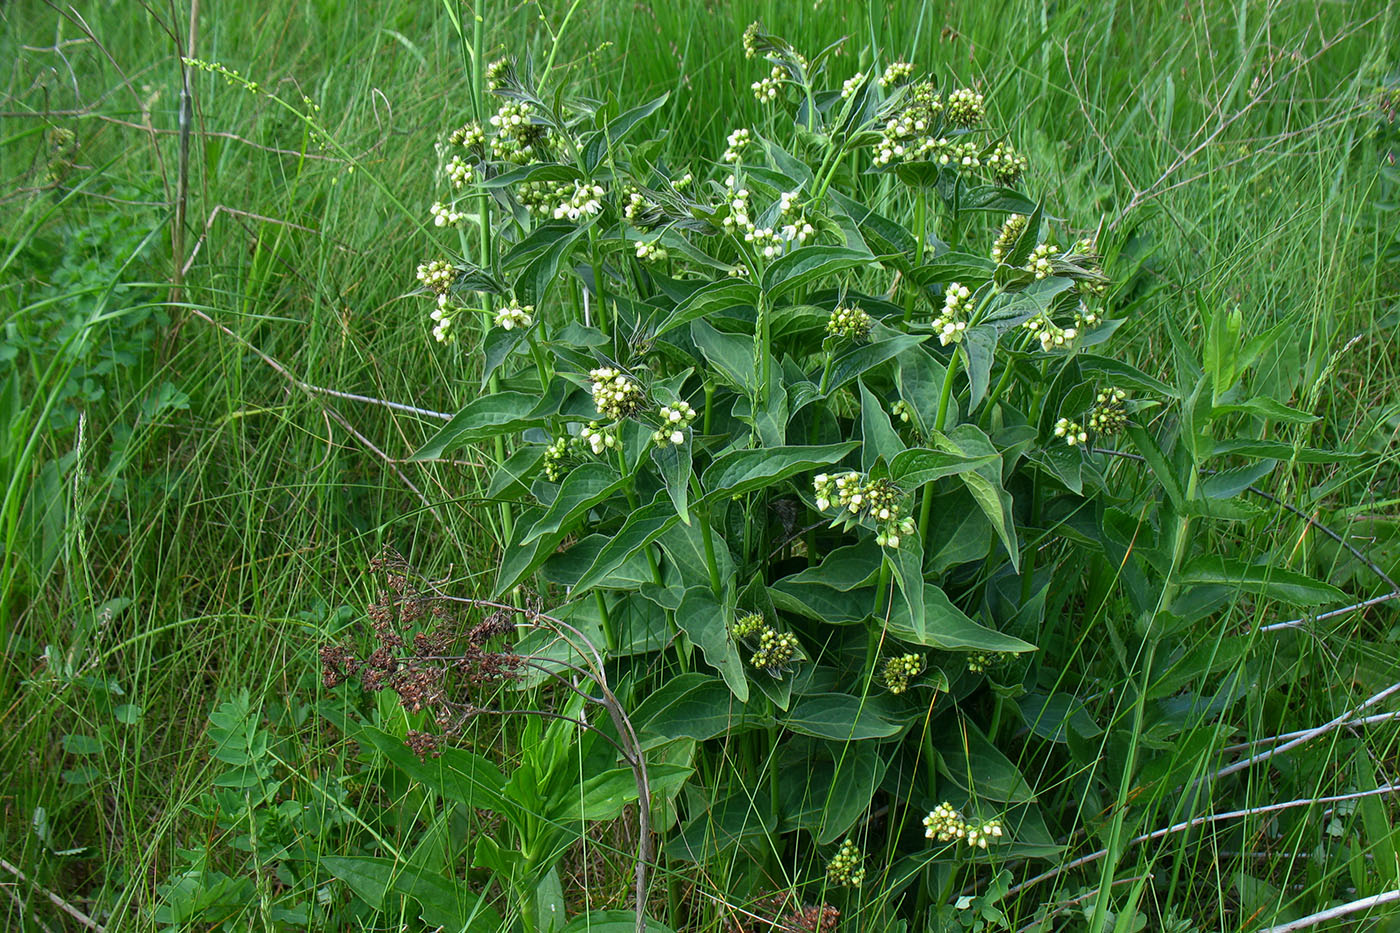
(184, 527)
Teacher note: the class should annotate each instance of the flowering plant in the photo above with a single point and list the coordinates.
(802, 471)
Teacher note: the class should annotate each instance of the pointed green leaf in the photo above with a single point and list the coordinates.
(1274, 582)
(706, 623)
(740, 471)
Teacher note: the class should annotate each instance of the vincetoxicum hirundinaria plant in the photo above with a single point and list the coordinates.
(752, 425)
(811, 476)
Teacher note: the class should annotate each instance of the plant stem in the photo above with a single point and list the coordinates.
(946, 395)
(921, 225)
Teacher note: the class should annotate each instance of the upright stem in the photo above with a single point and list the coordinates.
(920, 225)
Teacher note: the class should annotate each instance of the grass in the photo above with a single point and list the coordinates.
(159, 467)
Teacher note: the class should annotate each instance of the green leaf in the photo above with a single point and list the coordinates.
(879, 438)
(740, 471)
(879, 231)
(456, 774)
(842, 569)
(732, 354)
(809, 264)
(1268, 409)
(1011, 309)
(641, 528)
(617, 130)
(611, 921)
(500, 343)
(534, 281)
(1226, 484)
(838, 782)
(964, 268)
(673, 462)
(520, 464)
(82, 744)
(692, 705)
(706, 623)
(1277, 450)
(604, 796)
(978, 347)
(974, 764)
(984, 482)
(822, 603)
(1157, 462)
(582, 489)
(841, 717)
(369, 877)
(886, 344)
(907, 560)
(947, 627)
(919, 465)
(1272, 582)
(486, 417)
(713, 298)
(1125, 376)
(536, 171)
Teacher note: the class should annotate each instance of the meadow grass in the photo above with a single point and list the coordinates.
(183, 520)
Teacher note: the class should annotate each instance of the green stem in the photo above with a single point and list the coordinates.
(609, 636)
(920, 224)
(946, 395)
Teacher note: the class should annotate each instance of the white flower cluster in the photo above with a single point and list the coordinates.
(459, 172)
(1109, 415)
(765, 90)
(902, 411)
(585, 199)
(496, 73)
(739, 271)
(598, 438)
(849, 323)
(854, 497)
(442, 316)
(738, 141)
(983, 661)
(950, 324)
(651, 251)
(896, 73)
(557, 459)
(845, 868)
(637, 208)
(513, 315)
(1039, 263)
(852, 84)
(470, 136)
(437, 275)
(767, 241)
(738, 217)
(1074, 435)
(947, 825)
(517, 136)
(445, 216)
(616, 395)
(1007, 164)
(1010, 232)
(905, 138)
(900, 670)
(674, 419)
(775, 652)
(747, 625)
(964, 155)
(1086, 317)
(965, 108)
(751, 34)
(1051, 335)
(682, 183)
